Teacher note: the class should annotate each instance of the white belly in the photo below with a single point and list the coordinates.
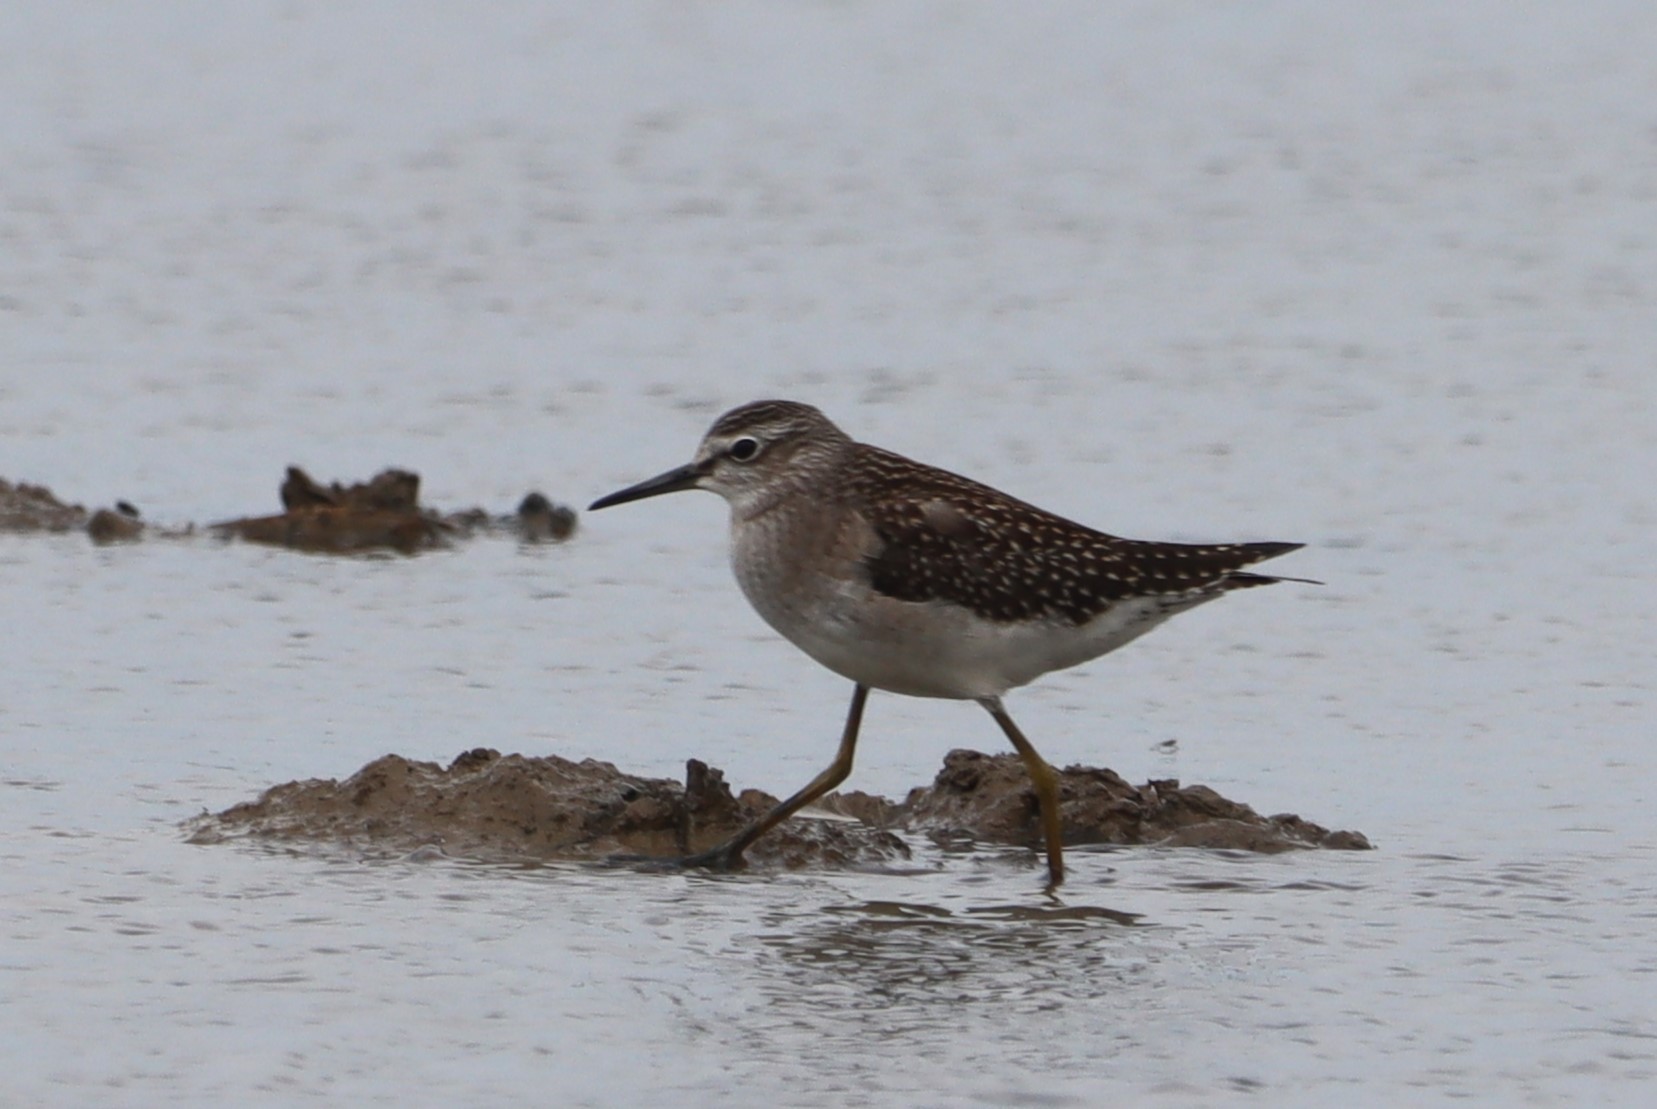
(936, 649)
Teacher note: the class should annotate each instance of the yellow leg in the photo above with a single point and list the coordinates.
(728, 855)
(1046, 782)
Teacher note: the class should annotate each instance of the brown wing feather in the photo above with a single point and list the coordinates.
(947, 538)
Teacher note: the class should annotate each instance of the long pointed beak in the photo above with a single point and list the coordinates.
(685, 477)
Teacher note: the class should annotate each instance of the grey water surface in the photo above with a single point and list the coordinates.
(1380, 280)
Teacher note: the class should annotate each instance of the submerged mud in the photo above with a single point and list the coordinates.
(514, 807)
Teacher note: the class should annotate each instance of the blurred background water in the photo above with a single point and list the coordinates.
(1381, 281)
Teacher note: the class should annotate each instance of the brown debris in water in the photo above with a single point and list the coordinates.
(25, 507)
(514, 807)
(989, 797)
(384, 513)
(120, 524)
(505, 807)
(381, 513)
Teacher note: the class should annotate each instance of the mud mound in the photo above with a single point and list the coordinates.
(512, 807)
(25, 507)
(486, 805)
(989, 797)
(120, 524)
(383, 513)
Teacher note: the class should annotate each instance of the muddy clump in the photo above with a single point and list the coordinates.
(381, 513)
(989, 798)
(121, 524)
(384, 513)
(513, 807)
(25, 507)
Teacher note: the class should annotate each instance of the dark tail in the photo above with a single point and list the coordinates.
(1259, 552)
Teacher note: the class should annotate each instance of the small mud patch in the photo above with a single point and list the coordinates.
(989, 798)
(496, 807)
(381, 514)
(25, 507)
(384, 513)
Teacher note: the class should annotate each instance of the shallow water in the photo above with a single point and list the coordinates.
(1379, 282)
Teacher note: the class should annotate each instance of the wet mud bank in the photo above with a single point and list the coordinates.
(495, 807)
(381, 514)
(25, 507)
(384, 513)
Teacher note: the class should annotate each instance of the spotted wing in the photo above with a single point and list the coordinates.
(943, 537)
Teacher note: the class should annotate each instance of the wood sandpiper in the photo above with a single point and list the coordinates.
(904, 577)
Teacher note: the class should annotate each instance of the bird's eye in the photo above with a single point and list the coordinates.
(744, 449)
